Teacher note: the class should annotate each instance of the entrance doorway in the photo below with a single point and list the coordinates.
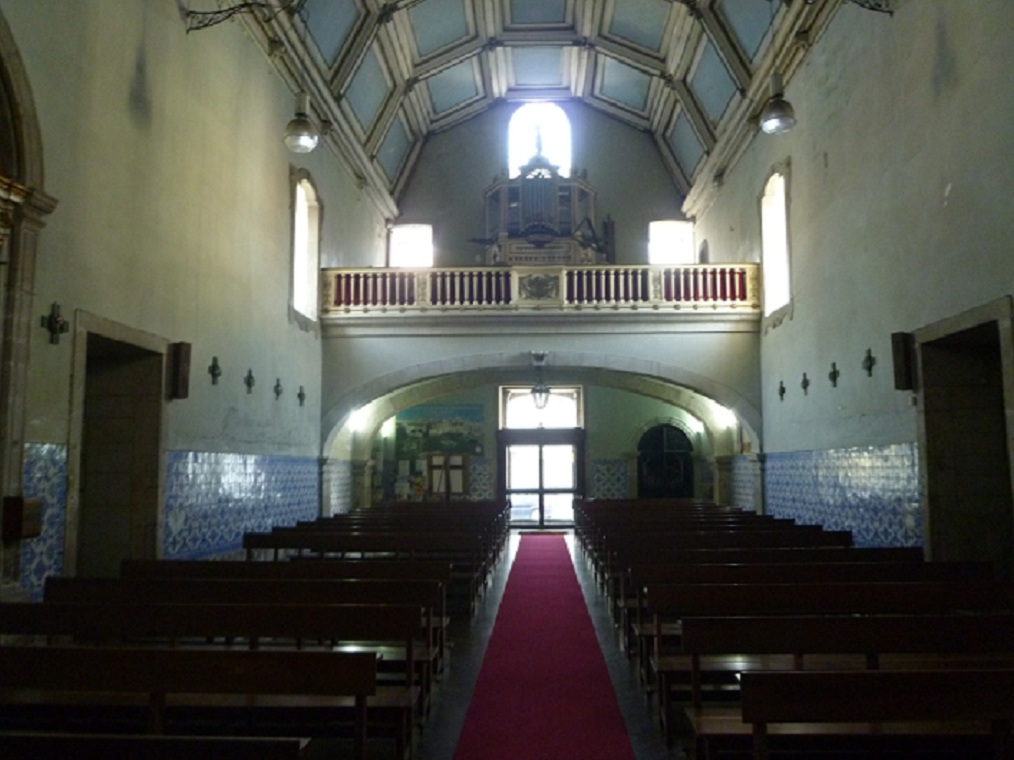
(540, 455)
(965, 443)
(115, 502)
(542, 470)
(665, 464)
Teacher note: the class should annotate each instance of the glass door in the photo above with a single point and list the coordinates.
(541, 480)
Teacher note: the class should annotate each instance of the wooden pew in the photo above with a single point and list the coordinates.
(465, 550)
(158, 690)
(638, 630)
(319, 569)
(965, 713)
(24, 745)
(718, 648)
(389, 631)
(620, 550)
(428, 595)
(679, 601)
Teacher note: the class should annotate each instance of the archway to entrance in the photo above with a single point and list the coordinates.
(665, 464)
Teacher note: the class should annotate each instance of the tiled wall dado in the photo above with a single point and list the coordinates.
(211, 500)
(610, 479)
(871, 491)
(481, 479)
(45, 478)
(338, 485)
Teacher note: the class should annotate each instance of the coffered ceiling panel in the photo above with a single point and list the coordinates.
(385, 73)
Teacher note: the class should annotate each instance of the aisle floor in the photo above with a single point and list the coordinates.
(468, 639)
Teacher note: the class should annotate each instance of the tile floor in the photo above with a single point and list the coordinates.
(467, 647)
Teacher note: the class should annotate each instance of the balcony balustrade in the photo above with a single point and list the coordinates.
(718, 288)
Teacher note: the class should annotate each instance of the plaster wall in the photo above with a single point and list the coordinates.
(900, 171)
(449, 181)
(360, 368)
(164, 150)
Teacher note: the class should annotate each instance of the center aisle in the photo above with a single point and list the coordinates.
(544, 689)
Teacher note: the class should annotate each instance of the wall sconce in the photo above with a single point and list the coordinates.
(540, 391)
(215, 370)
(778, 115)
(300, 134)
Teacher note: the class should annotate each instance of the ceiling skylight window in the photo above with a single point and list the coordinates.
(539, 128)
(411, 246)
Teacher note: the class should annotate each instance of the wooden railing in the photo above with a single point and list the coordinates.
(717, 288)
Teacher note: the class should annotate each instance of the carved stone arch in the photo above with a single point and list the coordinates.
(24, 205)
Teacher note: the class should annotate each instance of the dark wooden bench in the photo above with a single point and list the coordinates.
(428, 594)
(637, 627)
(963, 713)
(670, 602)
(389, 631)
(316, 569)
(717, 648)
(465, 550)
(26, 745)
(187, 691)
(618, 551)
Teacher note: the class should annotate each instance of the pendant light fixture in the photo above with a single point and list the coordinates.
(301, 136)
(777, 116)
(540, 391)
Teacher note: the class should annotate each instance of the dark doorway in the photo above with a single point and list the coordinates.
(969, 508)
(665, 464)
(121, 448)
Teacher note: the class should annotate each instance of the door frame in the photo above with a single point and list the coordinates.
(540, 437)
(86, 323)
(935, 503)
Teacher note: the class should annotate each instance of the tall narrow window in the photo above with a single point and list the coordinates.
(411, 245)
(775, 245)
(671, 242)
(539, 128)
(305, 249)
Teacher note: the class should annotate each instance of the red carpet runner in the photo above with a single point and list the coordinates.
(543, 692)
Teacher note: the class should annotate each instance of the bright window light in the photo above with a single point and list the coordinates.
(305, 250)
(775, 245)
(695, 425)
(533, 123)
(671, 242)
(411, 245)
(562, 411)
(358, 419)
(725, 416)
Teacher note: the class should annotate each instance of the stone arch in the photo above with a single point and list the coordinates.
(24, 205)
(684, 387)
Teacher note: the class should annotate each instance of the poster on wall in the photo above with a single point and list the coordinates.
(439, 428)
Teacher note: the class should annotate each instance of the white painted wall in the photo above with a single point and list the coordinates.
(901, 168)
(164, 150)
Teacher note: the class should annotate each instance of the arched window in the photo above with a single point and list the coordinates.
(305, 249)
(539, 128)
(775, 245)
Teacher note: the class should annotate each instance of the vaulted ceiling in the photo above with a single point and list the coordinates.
(384, 75)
